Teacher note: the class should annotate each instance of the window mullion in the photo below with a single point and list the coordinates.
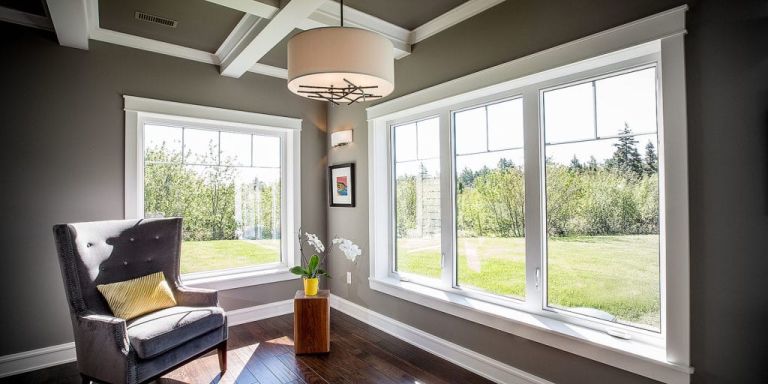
(447, 211)
(534, 202)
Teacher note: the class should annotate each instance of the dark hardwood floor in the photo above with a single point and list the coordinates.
(262, 352)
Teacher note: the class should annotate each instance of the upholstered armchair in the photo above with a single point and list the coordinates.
(113, 350)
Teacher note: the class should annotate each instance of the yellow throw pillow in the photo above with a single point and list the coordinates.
(133, 298)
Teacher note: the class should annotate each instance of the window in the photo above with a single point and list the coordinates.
(230, 179)
(417, 214)
(560, 187)
(602, 198)
(490, 198)
(226, 186)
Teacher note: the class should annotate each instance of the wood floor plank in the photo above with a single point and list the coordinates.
(262, 353)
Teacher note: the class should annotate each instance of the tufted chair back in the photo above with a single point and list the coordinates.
(109, 251)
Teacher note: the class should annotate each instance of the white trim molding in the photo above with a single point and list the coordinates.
(27, 361)
(451, 18)
(259, 312)
(470, 360)
(165, 107)
(70, 21)
(256, 8)
(249, 50)
(37, 359)
(490, 80)
(653, 41)
(26, 19)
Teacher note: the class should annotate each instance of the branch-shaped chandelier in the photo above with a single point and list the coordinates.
(341, 65)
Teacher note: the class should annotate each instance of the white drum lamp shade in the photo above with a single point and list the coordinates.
(348, 59)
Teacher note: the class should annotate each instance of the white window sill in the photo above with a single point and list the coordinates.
(631, 355)
(238, 278)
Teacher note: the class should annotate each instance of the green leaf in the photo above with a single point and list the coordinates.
(322, 272)
(313, 262)
(297, 270)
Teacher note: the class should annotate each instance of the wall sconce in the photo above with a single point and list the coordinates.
(341, 138)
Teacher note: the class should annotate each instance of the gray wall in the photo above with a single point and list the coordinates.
(727, 81)
(62, 133)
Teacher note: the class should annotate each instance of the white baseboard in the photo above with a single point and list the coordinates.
(470, 360)
(259, 312)
(36, 359)
(463, 357)
(65, 353)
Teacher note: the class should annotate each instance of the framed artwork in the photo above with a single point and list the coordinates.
(341, 185)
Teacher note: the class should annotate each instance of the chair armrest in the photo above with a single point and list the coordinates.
(103, 348)
(196, 297)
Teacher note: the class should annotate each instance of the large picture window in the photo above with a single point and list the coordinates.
(546, 197)
(596, 258)
(233, 178)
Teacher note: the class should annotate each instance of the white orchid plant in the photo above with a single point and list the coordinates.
(312, 266)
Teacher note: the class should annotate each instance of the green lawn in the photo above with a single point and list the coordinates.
(616, 274)
(199, 256)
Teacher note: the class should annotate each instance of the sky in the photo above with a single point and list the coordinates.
(235, 147)
(575, 118)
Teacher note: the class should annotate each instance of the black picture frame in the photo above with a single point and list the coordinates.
(351, 186)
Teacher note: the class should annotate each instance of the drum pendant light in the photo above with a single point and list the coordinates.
(340, 64)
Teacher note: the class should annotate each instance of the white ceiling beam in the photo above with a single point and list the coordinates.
(144, 44)
(26, 19)
(328, 15)
(246, 28)
(70, 21)
(252, 7)
(250, 51)
(451, 18)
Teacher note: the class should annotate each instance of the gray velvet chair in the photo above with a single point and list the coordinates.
(113, 350)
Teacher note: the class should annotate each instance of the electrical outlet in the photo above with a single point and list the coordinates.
(349, 277)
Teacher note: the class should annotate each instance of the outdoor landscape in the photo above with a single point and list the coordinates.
(231, 216)
(602, 227)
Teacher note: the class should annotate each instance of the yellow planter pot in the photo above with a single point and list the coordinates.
(310, 286)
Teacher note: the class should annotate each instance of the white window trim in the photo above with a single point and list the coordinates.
(665, 359)
(139, 110)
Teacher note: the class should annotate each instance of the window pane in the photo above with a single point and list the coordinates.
(266, 151)
(428, 133)
(505, 125)
(417, 186)
(627, 100)
(602, 206)
(405, 142)
(162, 143)
(201, 146)
(471, 133)
(232, 214)
(490, 202)
(235, 149)
(569, 113)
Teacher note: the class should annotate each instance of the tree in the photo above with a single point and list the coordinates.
(406, 204)
(626, 159)
(651, 159)
(208, 198)
(592, 164)
(505, 164)
(576, 164)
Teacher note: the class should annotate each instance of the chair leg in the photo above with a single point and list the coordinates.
(222, 349)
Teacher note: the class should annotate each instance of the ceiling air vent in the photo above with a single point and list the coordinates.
(156, 19)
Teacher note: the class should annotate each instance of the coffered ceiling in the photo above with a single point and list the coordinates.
(238, 36)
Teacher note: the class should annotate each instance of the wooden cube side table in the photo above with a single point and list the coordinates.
(312, 322)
